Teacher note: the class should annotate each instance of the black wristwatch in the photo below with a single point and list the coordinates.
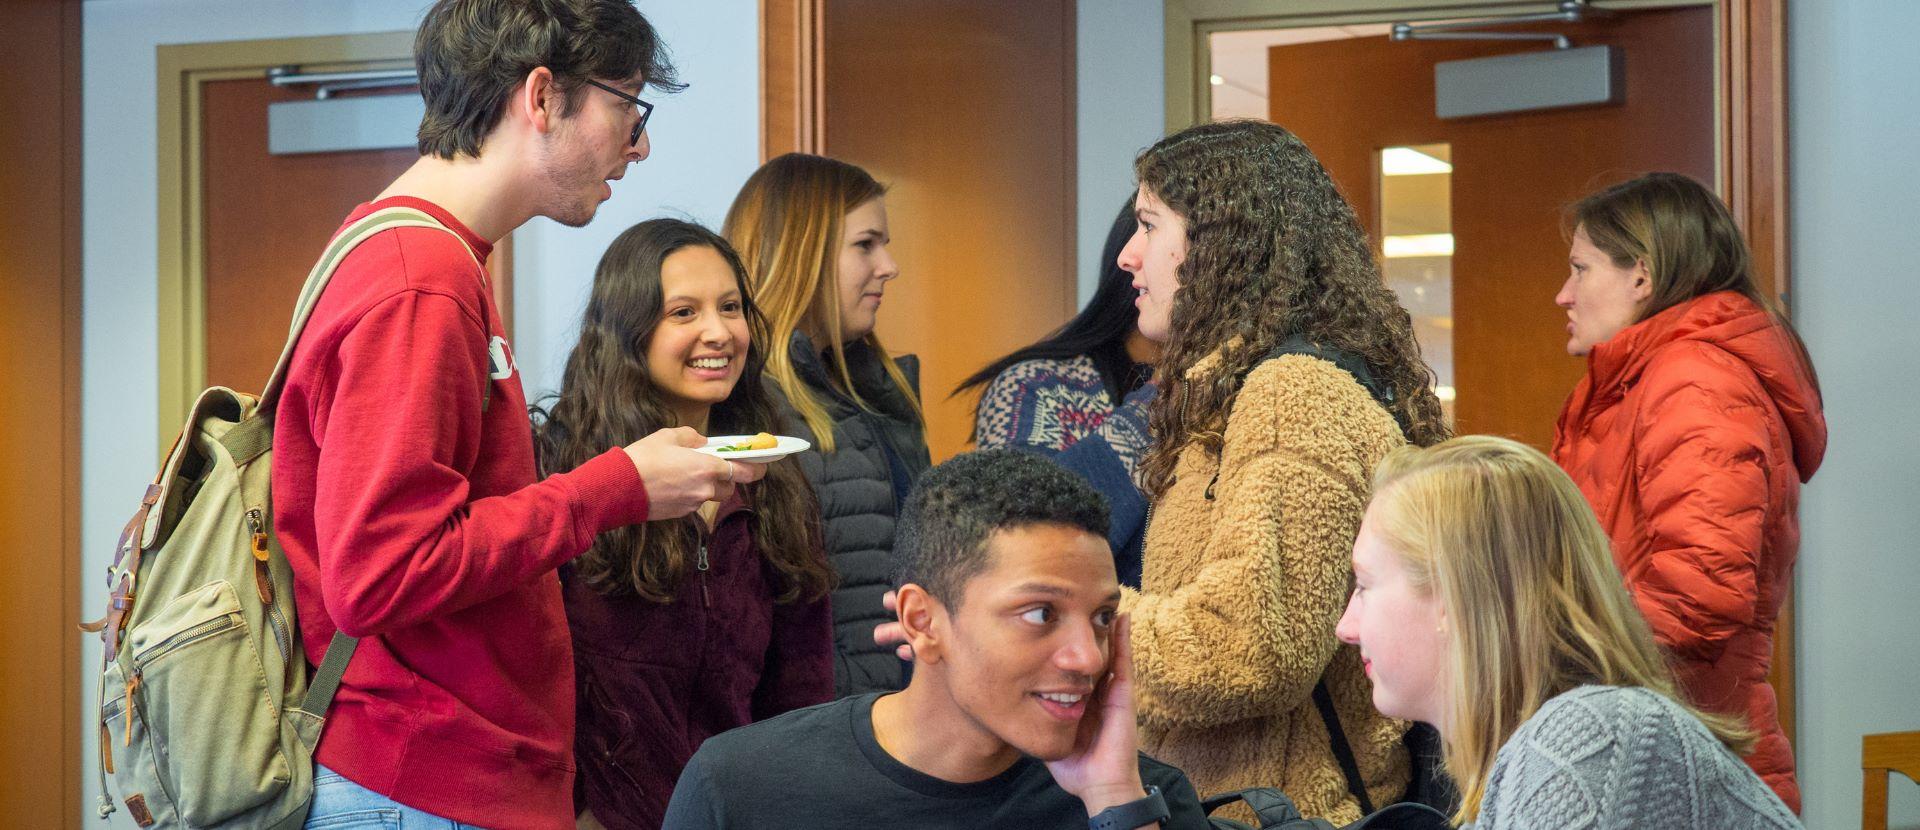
(1149, 810)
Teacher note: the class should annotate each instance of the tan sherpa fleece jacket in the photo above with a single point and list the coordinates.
(1242, 589)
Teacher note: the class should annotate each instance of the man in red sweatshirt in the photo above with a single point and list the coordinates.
(404, 483)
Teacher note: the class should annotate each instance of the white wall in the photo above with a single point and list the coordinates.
(706, 142)
(1120, 71)
(1854, 121)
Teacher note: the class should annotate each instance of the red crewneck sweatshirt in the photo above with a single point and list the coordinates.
(405, 496)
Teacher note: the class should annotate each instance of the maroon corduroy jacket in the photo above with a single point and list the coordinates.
(654, 680)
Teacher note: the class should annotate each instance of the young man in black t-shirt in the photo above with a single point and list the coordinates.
(1015, 717)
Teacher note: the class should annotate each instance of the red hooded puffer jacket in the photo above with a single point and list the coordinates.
(1690, 436)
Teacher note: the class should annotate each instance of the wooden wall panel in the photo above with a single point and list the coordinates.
(40, 414)
(790, 91)
(966, 110)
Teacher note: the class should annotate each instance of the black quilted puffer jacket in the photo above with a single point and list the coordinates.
(858, 506)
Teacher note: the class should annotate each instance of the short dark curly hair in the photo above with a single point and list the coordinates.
(957, 506)
(471, 54)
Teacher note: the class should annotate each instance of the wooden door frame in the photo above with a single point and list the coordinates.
(182, 71)
(40, 605)
(1749, 86)
(1750, 132)
(793, 95)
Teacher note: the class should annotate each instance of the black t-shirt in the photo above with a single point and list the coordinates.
(820, 768)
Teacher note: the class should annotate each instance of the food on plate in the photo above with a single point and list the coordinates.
(762, 441)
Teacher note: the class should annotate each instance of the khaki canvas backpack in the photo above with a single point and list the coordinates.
(207, 717)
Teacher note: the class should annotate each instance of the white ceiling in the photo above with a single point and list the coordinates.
(1240, 59)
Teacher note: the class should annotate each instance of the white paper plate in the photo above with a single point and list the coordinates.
(786, 447)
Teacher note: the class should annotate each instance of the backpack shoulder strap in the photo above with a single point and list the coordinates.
(1274, 810)
(1342, 750)
(317, 279)
(1322, 700)
(326, 678)
(1351, 363)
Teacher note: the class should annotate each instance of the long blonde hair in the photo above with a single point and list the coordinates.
(787, 224)
(1534, 604)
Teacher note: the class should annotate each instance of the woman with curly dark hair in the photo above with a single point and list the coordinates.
(1289, 371)
(686, 628)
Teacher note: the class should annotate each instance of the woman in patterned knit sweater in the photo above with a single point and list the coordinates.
(1486, 603)
(1057, 398)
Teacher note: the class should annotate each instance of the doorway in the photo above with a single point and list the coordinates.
(241, 223)
(1470, 209)
(1362, 101)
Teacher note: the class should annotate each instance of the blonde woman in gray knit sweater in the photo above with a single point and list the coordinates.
(1486, 603)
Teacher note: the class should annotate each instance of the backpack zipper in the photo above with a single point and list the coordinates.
(133, 685)
(264, 581)
(194, 634)
(279, 625)
(198, 632)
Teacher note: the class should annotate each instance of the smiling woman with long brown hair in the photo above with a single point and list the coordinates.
(682, 629)
(1290, 370)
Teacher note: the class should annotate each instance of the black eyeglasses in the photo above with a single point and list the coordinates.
(646, 111)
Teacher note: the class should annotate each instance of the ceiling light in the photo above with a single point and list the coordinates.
(1216, 80)
(1417, 245)
(1446, 394)
(1406, 161)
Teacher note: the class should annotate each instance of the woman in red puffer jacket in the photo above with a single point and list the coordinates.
(1696, 424)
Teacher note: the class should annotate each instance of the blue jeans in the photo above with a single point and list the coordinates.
(339, 804)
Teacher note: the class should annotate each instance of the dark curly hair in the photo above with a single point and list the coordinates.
(1273, 251)
(607, 399)
(957, 506)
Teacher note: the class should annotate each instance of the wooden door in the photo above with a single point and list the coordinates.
(40, 646)
(966, 111)
(267, 218)
(1513, 176)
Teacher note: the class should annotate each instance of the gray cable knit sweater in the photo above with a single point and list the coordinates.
(1611, 757)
